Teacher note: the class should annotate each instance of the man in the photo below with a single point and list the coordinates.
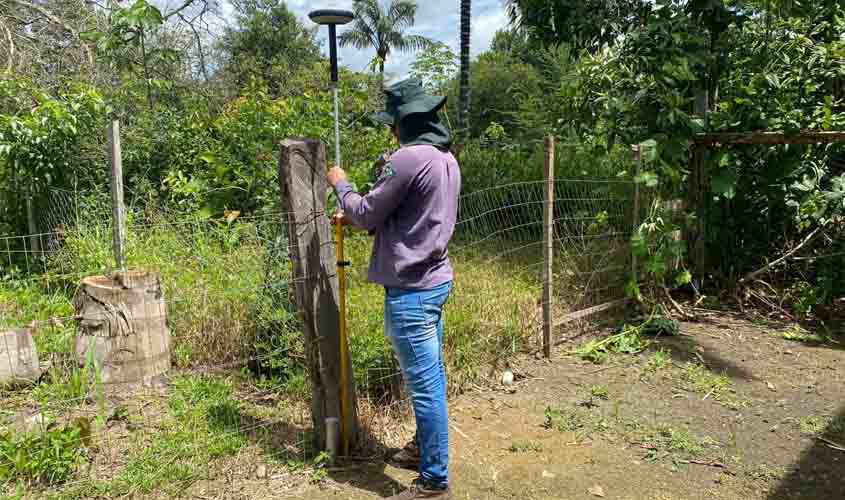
(412, 210)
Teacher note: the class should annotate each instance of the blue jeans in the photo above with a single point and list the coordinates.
(413, 322)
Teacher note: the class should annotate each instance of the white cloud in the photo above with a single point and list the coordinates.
(485, 27)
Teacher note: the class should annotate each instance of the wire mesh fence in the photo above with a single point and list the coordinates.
(228, 288)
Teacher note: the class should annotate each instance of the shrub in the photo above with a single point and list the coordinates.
(48, 457)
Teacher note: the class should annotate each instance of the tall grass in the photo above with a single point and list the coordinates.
(491, 316)
(230, 300)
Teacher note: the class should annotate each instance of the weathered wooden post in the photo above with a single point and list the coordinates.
(18, 357)
(118, 209)
(638, 166)
(548, 246)
(696, 204)
(32, 226)
(698, 191)
(302, 177)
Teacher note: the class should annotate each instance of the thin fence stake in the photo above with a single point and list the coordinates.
(34, 244)
(548, 247)
(638, 157)
(118, 209)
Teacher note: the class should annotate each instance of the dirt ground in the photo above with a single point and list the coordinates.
(756, 438)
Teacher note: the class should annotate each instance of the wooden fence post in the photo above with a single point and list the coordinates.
(548, 246)
(638, 159)
(302, 177)
(34, 236)
(696, 204)
(118, 209)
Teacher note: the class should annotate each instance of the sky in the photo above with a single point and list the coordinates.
(436, 19)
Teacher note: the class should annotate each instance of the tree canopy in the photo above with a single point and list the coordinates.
(383, 29)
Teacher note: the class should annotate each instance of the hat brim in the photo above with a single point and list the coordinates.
(384, 118)
(425, 104)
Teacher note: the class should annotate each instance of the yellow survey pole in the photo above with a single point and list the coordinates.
(344, 345)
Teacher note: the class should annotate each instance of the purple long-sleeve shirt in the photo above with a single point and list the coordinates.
(412, 209)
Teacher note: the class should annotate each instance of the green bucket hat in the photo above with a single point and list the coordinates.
(407, 98)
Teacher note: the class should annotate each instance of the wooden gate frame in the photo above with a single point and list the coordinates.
(697, 200)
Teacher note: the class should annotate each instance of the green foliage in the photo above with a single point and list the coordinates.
(590, 24)
(267, 43)
(699, 379)
(382, 28)
(525, 446)
(629, 341)
(41, 138)
(46, 457)
(600, 392)
(659, 361)
(661, 251)
(564, 420)
(665, 441)
(435, 66)
(798, 334)
(498, 81)
(832, 427)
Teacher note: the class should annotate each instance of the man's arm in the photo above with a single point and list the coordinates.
(370, 211)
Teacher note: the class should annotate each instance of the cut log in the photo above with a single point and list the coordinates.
(18, 357)
(122, 327)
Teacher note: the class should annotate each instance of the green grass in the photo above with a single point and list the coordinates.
(229, 297)
(490, 317)
(658, 361)
(201, 422)
(227, 300)
(833, 427)
(525, 447)
(600, 392)
(565, 420)
(43, 457)
(799, 334)
(697, 378)
(661, 441)
(39, 303)
(677, 440)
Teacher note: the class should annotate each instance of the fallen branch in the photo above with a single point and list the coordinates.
(772, 305)
(711, 463)
(604, 369)
(831, 444)
(750, 276)
(680, 310)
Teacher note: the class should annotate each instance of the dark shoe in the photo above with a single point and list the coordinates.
(419, 491)
(408, 457)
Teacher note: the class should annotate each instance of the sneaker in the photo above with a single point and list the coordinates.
(419, 491)
(408, 457)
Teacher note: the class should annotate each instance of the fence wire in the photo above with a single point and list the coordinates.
(228, 293)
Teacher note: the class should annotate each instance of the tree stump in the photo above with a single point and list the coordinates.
(18, 357)
(122, 326)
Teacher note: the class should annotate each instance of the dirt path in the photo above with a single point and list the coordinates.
(652, 426)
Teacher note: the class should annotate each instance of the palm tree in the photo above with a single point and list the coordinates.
(466, 32)
(383, 28)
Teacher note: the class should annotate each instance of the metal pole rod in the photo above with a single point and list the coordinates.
(344, 345)
(336, 125)
(548, 247)
(639, 164)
